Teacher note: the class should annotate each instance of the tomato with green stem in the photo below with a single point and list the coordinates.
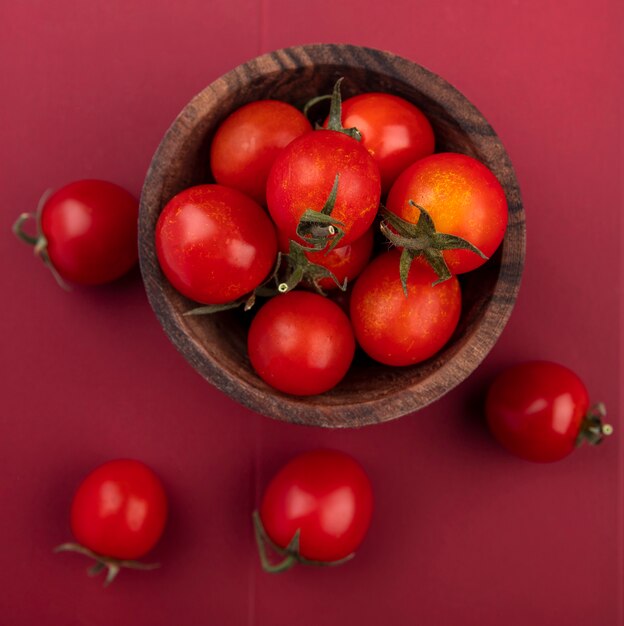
(248, 141)
(86, 232)
(448, 208)
(315, 511)
(324, 187)
(540, 411)
(118, 514)
(398, 326)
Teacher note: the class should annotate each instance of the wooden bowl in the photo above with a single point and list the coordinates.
(216, 345)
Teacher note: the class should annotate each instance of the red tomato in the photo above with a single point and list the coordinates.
(464, 199)
(301, 343)
(215, 244)
(88, 231)
(247, 142)
(119, 510)
(398, 330)
(327, 497)
(393, 130)
(304, 173)
(344, 262)
(537, 410)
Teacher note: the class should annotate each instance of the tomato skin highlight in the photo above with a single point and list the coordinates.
(463, 197)
(398, 330)
(248, 141)
(535, 410)
(304, 173)
(394, 131)
(301, 343)
(345, 262)
(215, 244)
(91, 231)
(119, 510)
(327, 496)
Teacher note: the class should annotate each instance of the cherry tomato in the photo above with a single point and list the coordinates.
(464, 199)
(119, 510)
(304, 173)
(344, 262)
(539, 411)
(301, 343)
(398, 330)
(327, 497)
(215, 244)
(87, 231)
(393, 130)
(247, 142)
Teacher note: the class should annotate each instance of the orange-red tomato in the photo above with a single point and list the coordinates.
(247, 142)
(463, 198)
(398, 330)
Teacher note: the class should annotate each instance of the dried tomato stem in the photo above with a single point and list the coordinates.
(112, 566)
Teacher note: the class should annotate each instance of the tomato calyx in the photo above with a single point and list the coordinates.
(111, 565)
(334, 121)
(38, 242)
(300, 269)
(319, 228)
(290, 555)
(422, 239)
(593, 430)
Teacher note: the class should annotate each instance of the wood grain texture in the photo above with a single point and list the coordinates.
(216, 345)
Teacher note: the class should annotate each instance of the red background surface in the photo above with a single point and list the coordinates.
(463, 533)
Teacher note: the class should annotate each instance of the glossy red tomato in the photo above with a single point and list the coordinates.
(215, 244)
(119, 510)
(393, 130)
(247, 142)
(301, 343)
(304, 173)
(327, 497)
(464, 199)
(398, 330)
(88, 230)
(345, 262)
(538, 409)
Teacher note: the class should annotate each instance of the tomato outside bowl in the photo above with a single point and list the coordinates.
(215, 345)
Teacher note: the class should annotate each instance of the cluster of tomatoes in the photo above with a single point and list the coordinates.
(443, 214)
(317, 509)
(294, 214)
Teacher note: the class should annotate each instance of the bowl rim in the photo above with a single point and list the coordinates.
(403, 401)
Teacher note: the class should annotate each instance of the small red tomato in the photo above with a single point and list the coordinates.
(393, 130)
(327, 498)
(304, 173)
(87, 231)
(119, 510)
(301, 343)
(539, 411)
(215, 244)
(398, 330)
(463, 198)
(247, 142)
(344, 262)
